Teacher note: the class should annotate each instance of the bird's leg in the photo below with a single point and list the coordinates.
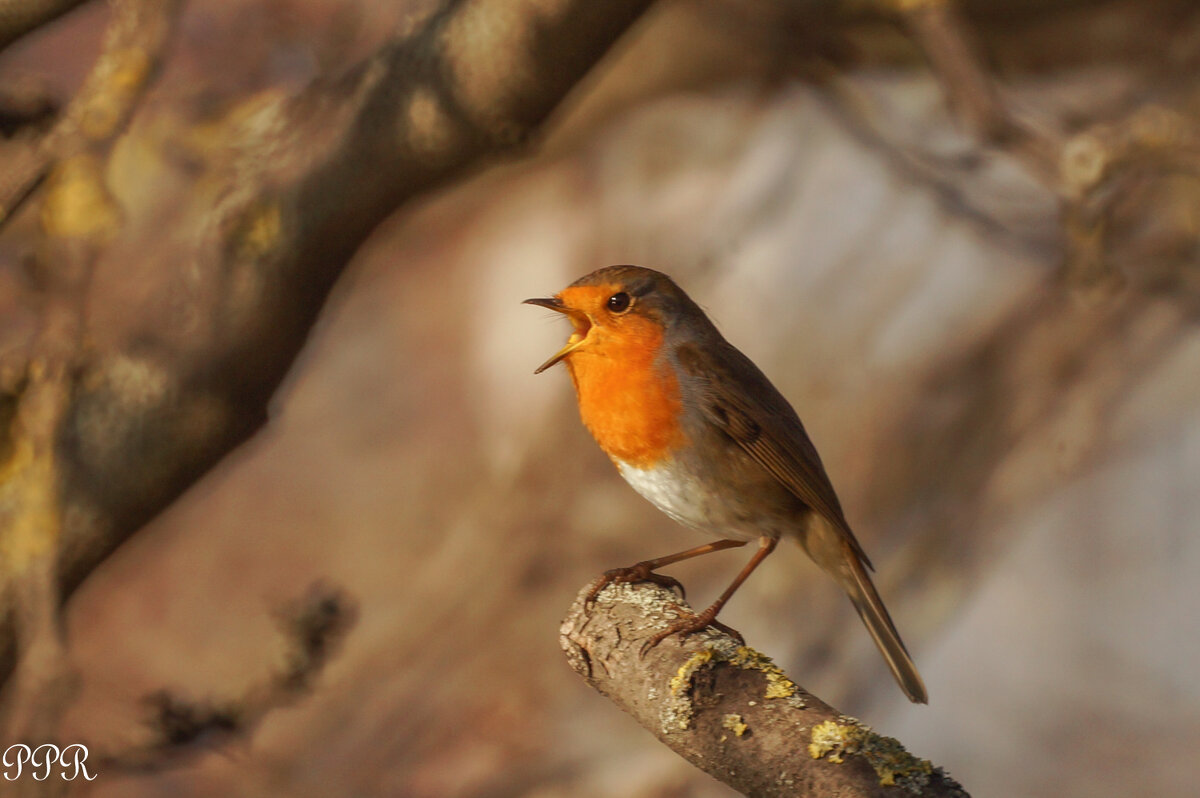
(644, 570)
(695, 622)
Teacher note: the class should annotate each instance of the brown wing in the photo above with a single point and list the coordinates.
(754, 414)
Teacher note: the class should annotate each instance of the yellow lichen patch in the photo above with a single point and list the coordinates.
(735, 724)
(260, 229)
(479, 28)
(30, 495)
(891, 762)
(125, 73)
(77, 201)
(258, 120)
(19, 456)
(830, 740)
(683, 677)
(485, 87)
(903, 6)
(1083, 162)
(678, 713)
(139, 381)
(678, 709)
(778, 684)
(427, 128)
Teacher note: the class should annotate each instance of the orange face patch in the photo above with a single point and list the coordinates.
(628, 399)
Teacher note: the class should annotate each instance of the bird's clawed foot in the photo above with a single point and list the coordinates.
(642, 572)
(690, 624)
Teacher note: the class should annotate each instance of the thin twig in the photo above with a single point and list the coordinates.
(939, 29)
(313, 627)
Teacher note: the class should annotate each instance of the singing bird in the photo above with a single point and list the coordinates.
(694, 426)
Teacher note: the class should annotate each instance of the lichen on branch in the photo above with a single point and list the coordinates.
(728, 709)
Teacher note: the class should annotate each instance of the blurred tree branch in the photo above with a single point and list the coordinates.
(134, 46)
(1086, 170)
(78, 216)
(144, 394)
(19, 17)
(942, 33)
(25, 103)
(729, 710)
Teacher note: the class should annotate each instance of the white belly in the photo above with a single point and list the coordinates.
(682, 497)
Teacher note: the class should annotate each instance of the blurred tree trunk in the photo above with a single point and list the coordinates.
(177, 323)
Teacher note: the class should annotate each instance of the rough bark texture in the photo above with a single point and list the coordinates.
(728, 709)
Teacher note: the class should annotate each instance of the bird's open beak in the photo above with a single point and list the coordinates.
(579, 320)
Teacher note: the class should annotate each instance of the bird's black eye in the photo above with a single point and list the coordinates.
(619, 303)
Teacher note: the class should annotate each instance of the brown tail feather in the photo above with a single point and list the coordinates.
(875, 616)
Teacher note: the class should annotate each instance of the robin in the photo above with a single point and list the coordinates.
(693, 425)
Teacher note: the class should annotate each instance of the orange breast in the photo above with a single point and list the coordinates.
(629, 404)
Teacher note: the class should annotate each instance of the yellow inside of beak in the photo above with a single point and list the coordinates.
(582, 326)
(583, 305)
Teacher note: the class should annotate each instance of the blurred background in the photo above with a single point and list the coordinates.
(1016, 447)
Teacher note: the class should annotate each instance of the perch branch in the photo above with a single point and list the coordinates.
(729, 710)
